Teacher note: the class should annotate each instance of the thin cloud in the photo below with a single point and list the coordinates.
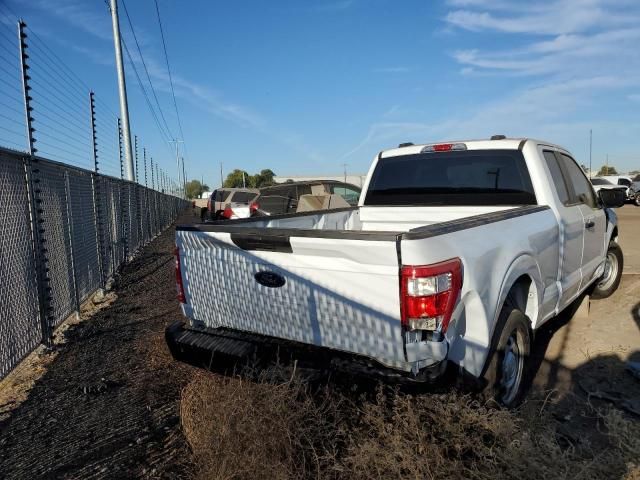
(91, 21)
(543, 18)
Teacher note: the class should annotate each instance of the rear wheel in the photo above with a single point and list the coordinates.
(608, 283)
(636, 200)
(505, 374)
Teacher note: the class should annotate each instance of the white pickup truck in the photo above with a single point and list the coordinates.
(455, 255)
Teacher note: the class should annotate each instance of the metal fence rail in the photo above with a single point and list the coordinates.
(87, 225)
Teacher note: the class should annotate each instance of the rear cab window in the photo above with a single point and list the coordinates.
(458, 178)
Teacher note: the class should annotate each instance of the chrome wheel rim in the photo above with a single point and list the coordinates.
(610, 271)
(512, 367)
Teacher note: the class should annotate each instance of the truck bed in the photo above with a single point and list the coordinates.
(341, 281)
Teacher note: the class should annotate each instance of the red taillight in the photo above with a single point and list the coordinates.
(179, 286)
(227, 213)
(253, 207)
(428, 294)
(443, 147)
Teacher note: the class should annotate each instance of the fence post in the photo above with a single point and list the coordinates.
(135, 142)
(120, 149)
(153, 201)
(74, 274)
(123, 211)
(97, 194)
(146, 196)
(34, 177)
(136, 198)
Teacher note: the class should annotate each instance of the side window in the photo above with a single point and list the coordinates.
(221, 195)
(582, 189)
(556, 175)
(304, 190)
(351, 195)
(624, 181)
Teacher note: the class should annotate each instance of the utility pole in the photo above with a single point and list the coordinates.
(122, 87)
(221, 179)
(345, 172)
(590, 150)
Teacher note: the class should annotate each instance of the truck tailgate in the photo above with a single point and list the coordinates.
(338, 293)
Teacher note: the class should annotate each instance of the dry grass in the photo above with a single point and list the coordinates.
(276, 427)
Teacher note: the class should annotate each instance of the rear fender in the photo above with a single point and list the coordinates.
(470, 335)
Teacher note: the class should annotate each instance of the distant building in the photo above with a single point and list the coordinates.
(357, 180)
(205, 194)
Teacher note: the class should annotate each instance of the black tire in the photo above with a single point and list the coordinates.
(608, 283)
(506, 371)
(636, 200)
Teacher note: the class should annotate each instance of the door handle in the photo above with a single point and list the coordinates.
(589, 224)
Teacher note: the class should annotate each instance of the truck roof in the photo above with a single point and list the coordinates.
(483, 144)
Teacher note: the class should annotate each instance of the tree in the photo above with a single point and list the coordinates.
(263, 179)
(236, 179)
(607, 170)
(195, 189)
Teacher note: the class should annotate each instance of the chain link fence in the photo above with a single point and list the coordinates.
(64, 232)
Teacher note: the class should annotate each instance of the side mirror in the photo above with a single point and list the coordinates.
(612, 198)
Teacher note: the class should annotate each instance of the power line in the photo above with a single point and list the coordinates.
(153, 90)
(146, 96)
(166, 57)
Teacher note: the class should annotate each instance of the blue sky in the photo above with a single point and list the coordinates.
(305, 86)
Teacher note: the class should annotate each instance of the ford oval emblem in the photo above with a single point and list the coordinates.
(269, 279)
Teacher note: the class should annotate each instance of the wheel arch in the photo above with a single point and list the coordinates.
(522, 285)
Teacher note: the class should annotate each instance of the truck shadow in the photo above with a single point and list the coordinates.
(601, 379)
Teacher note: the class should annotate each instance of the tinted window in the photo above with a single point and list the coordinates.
(556, 175)
(243, 197)
(350, 194)
(480, 177)
(304, 190)
(279, 199)
(221, 195)
(582, 189)
(600, 181)
(624, 181)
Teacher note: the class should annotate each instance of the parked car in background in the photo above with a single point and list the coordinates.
(232, 203)
(306, 196)
(635, 186)
(622, 181)
(456, 254)
(600, 183)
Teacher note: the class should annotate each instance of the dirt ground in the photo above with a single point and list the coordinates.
(590, 349)
(107, 400)
(108, 404)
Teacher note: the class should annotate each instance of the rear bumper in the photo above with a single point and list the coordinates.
(222, 349)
